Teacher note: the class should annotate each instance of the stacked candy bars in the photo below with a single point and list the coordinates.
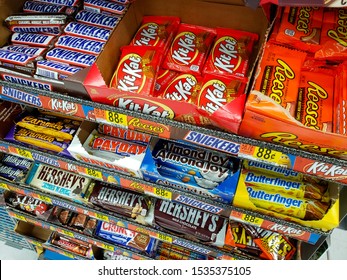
(183, 62)
(57, 38)
(303, 66)
(14, 168)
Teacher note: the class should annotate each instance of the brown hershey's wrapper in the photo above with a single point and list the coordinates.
(190, 222)
(121, 201)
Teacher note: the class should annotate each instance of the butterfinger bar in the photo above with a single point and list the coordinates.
(87, 31)
(39, 40)
(304, 209)
(55, 69)
(71, 57)
(98, 19)
(32, 51)
(104, 6)
(80, 44)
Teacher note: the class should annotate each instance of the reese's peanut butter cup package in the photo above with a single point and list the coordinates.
(189, 49)
(301, 28)
(316, 100)
(137, 69)
(190, 222)
(217, 91)
(334, 35)
(279, 75)
(157, 31)
(230, 54)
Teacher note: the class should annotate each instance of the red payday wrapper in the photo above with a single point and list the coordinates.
(164, 78)
(189, 49)
(185, 87)
(217, 91)
(156, 31)
(334, 36)
(230, 53)
(137, 69)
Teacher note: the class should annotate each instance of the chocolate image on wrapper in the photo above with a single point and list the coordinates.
(73, 245)
(304, 209)
(57, 181)
(28, 204)
(190, 222)
(124, 202)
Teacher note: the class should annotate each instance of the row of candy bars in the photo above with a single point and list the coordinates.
(82, 34)
(184, 62)
(303, 67)
(43, 131)
(13, 168)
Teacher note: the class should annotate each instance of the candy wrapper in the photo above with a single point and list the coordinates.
(137, 70)
(189, 49)
(230, 53)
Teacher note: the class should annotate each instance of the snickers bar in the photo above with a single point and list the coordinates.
(31, 39)
(36, 19)
(71, 57)
(80, 44)
(61, 2)
(98, 19)
(87, 31)
(39, 29)
(56, 70)
(32, 51)
(37, 7)
(14, 58)
(104, 6)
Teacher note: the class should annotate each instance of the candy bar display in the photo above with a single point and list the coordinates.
(186, 167)
(59, 182)
(119, 235)
(123, 202)
(43, 131)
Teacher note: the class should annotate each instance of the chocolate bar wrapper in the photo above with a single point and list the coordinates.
(17, 162)
(119, 256)
(58, 182)
(74, 58)
(126, 134)
(98, 19)
(61, 129)
(60, 216)
(108, 7)
(126, 237)
(31, 51)
(28, 204)
(87, 31)
(73, 245)
(175, 252)
(193, 166)
(62, 2)
(14, 58)
(75, 43)
(37, 40)
(304, 209)
(36, 19)
(41, 7)
(292, 188)
(190, 222)
(55, 69)
(11, 173)
(274, 246)
(123, 202)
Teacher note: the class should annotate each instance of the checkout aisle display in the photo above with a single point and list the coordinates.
(166, 59)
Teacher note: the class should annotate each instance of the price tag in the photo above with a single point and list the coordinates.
(19, 217)
(252, 220)
(44, 199)
(164, 237)
(162, 193)
(270, 156)
(102, 217)
(116, 118)
(108, 247)
(4, 186)
(35, 243)
(94, 173)
(25, 153)
(67, 233)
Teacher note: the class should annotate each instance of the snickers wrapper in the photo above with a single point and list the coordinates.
(98, 19)
(55, 69)
(71, 57)
(75, 43)
(103, 6)
(31, 39)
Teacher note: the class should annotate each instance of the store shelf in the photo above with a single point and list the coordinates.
(325, 167)
(289, 229)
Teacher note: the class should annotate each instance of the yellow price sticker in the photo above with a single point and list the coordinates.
(252, 220)
(162, 193)
(4, 186)
(36, 243)
(20, 217)
(25, 153)
(45, 199)
(271, 156)
(164, 237)
(94, 173)
(67, 233)
(108, 247)
(116, 118)
(102, 217)
(69, 255)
